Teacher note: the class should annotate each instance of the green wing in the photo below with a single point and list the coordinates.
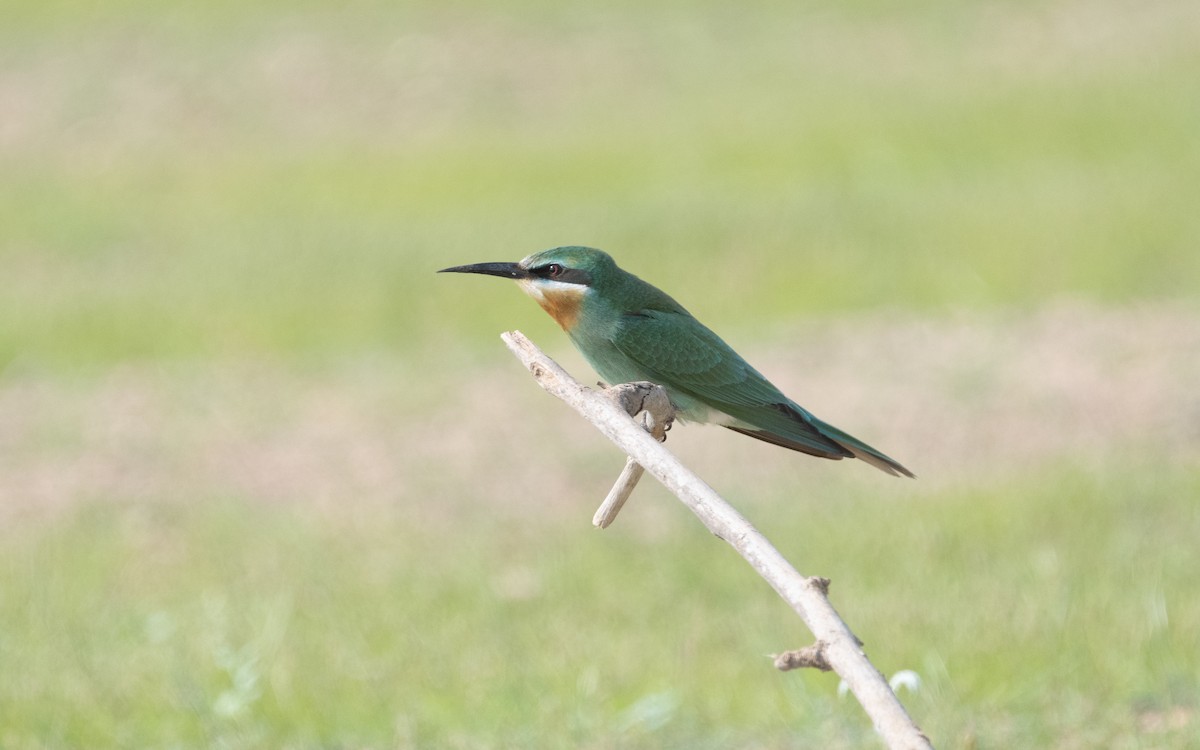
(677, 350)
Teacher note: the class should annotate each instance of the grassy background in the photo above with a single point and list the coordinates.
(225, 356)
(216, 180)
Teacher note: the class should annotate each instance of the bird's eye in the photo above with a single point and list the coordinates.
(554, 270)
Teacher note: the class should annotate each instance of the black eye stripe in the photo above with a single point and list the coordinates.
(559, 272)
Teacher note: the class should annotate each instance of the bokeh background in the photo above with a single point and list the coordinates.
(268, 481)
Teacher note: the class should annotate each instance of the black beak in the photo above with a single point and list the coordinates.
(506, 270)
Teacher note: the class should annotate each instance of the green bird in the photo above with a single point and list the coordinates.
(629, 330)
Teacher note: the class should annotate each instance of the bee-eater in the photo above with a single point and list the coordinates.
(629, 330)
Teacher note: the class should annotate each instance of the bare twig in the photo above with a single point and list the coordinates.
(805, 595)
(620, 492)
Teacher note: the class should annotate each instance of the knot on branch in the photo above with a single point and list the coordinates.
(812, 657)
(819, 583)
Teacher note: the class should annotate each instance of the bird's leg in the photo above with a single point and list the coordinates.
(652, 401)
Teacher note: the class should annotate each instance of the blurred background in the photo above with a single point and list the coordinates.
(268, 481)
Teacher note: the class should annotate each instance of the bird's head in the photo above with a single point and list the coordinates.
(559, 279)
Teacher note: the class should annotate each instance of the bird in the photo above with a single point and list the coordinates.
(630, 331)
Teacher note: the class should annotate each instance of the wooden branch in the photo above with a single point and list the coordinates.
(837, 645)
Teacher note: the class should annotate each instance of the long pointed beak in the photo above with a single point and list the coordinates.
(505, 270)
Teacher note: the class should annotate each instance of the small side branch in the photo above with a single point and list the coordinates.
(838, 646)
(620, 492)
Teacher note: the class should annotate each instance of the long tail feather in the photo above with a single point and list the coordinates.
(791, 426)
(831, 450)
(861, 450)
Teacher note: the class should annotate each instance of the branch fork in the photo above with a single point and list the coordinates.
(652, 402)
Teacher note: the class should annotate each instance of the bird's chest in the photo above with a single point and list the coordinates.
(596, 345)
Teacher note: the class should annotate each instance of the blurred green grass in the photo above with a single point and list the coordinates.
(214, 180)
(1051, 613)
(219, 182)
